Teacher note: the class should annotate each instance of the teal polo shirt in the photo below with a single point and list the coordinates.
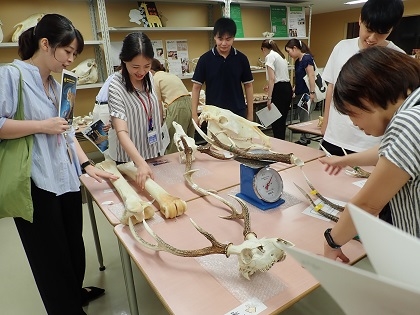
(223, 79)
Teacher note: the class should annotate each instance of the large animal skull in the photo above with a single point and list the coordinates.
(230, 128)
(258, 254)
(179, 132)
(29, 22)
(87, 71)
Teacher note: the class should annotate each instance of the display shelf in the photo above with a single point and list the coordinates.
(159, 29)
(87, 42)
(239, 39)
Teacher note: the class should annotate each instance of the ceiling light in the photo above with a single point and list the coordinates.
(355, 2)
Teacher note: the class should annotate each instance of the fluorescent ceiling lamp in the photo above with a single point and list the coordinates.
(355, 2)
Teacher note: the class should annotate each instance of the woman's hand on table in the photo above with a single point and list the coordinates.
(334, 164)
(98, 174)
(333, 253)
(143, 173)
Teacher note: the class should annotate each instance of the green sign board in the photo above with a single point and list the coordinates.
(235, 14)
(278, 17)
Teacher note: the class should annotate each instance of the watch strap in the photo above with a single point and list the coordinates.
(87, 163)
(329, 239)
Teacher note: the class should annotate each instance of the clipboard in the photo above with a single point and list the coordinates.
(267, 117)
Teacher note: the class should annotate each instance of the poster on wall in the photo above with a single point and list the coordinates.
(158, 51)
(177, 56)
(296, 22)
(278, 17)
(235, 14)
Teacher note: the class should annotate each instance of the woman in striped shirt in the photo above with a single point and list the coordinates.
(378, 88)
(136, 114)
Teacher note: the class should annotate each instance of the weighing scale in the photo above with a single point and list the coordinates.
(261, 186)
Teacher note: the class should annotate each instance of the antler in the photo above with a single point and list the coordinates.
(316, 193)
(259, 155)
(318, 207)
(216, 248)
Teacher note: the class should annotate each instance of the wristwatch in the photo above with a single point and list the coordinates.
(329, 239)
(85, 164)
(312, 92)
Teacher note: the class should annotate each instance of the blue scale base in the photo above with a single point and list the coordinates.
(261, 204)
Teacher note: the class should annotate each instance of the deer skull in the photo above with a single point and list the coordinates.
(258, 254)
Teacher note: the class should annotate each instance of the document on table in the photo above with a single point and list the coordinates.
(267, 117)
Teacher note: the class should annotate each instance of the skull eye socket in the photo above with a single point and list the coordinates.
(246, 256)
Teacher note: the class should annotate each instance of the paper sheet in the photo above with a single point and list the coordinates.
(267, 117)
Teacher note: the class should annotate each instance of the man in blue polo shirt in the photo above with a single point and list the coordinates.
(223, 70)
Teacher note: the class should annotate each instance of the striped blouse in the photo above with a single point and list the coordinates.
(400, 145)
(131, 107)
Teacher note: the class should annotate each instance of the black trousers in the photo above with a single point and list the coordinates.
(281, 98)
(55, 250)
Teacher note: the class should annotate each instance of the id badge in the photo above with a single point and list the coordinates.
(152, 137)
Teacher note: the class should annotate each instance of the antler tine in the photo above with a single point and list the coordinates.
(201, 133)
(188, 153)
(243, 215)
(216, 248)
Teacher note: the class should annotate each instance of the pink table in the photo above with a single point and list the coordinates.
(308, 127)
(198, 286)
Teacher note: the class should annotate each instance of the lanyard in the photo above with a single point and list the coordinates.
(148, 113)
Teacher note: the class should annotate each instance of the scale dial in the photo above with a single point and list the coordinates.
(268, 184)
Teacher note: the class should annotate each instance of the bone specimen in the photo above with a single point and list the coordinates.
(229, 127)
(26, 24)
(258, 154)
(134, 205)
(170, 206)
(253, 254)
(318, 207)
(179, 132)
(1, 32)
(86, 71)
(359, 172)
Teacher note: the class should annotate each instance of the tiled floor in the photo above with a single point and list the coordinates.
(19, 295)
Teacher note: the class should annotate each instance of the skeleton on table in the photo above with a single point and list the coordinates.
(253, 254)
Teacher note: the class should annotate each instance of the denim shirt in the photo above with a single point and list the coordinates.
(52, 169)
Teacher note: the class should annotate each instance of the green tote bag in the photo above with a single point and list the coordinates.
(15, 171)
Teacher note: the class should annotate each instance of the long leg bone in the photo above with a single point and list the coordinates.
(170, 206)
(134, 205)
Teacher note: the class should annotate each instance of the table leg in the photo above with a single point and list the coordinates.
(94, 229)
(128, 279)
